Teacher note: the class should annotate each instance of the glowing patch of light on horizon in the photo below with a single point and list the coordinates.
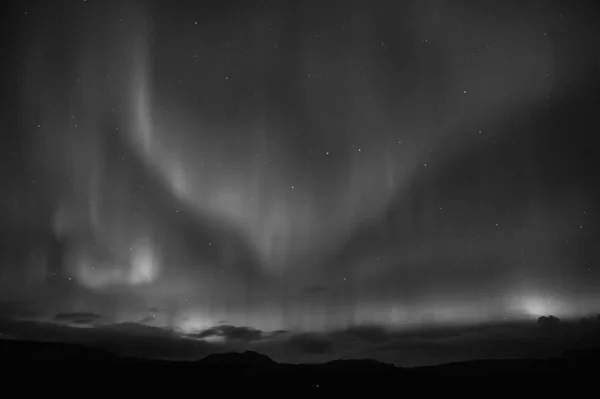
(213, 339)
(192, 323)
(542, 306)
(395, 315)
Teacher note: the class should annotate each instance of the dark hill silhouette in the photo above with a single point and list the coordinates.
(548, 321)
(248, 358)
(50, 363)
(358, 364)
(13, 350)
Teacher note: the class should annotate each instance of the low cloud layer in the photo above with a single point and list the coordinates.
(77, 317)
(230, 333)
(406, 348)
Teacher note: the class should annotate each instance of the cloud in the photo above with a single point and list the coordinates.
(231, 333)
(77, 317)
(142, 340)
(373, 333)
(123, 339)
(147, 319)
(309, 343)
(403, 348)
(131, 328)
(427, 346)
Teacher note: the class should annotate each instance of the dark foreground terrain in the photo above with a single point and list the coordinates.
(71, 370)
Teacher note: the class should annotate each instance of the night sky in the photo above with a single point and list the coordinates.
(240, 171)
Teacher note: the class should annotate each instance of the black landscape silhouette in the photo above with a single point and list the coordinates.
(56, 366)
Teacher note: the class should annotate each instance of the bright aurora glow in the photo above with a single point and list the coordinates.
(299, 167)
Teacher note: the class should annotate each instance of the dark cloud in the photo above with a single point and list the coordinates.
(427, 346)
(77, 317)
(373, 334)
(309, 343)
(408, 349)
(141, 340)
(123, 339)
(137, 330)
(497, 340)
(147, 319)
(232, 333)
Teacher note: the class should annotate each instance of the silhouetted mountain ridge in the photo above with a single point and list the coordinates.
(52, 351)
(362, 364)
(247, 358)
(252, 370)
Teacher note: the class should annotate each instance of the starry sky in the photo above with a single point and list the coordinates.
(241, 167)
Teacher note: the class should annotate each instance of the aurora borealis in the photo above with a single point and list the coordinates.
(302, 167)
